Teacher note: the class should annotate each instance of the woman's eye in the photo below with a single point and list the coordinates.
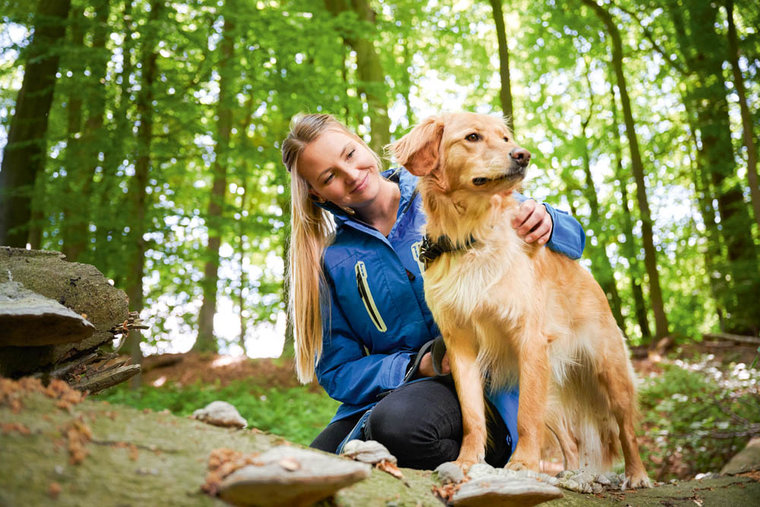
(328, 179)
(350, 154)
(473, 137)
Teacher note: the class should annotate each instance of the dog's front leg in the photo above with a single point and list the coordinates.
(462, 352)
(531, 413)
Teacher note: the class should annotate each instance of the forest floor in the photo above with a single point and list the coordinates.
(670, 457)
(191, 367)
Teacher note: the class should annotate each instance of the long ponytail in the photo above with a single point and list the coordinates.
(312, 230)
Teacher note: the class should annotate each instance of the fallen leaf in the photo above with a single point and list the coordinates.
(54, 490)
(388, 467)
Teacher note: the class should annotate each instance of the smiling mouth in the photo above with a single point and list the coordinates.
(510, 176)
(361, 184)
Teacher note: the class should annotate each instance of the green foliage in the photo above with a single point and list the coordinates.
(696, 417)
(295, 56)
(296, 414)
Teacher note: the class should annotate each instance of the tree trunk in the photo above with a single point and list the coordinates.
(74, 146)
(713, 253)
(86, 146)
(25, 151)
(604, 271)
(369, 72)
(650, 253)
(707, 96)
(206, 340)
(243, 280)
(505, 94)
(118, 133)
(748, 137)
(139, 182)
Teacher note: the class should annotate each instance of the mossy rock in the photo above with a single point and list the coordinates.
(147, 458)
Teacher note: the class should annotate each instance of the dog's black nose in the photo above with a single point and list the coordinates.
(521, 156)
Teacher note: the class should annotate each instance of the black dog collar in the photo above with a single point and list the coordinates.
(431, 250)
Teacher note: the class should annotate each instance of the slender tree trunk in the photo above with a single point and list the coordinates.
(604, 271)
(505, 94)
(74, 146)
(369, 72)
(86, 145)
(629, 247)
(748, 137)
(25, 150)
(206, 340)
(117, 133)
(713, 254)
(243, 280)
(650, 253)
(139, 182)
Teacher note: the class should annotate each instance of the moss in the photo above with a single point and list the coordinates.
(144, 458)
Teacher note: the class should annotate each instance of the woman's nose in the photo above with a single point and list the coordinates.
(352, 173)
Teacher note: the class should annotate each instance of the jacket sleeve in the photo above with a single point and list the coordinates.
(568, 237)
(345, 370)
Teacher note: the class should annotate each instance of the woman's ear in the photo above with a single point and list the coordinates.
(316, 197)
(418, 151)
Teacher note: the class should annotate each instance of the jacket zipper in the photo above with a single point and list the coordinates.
(366, 296)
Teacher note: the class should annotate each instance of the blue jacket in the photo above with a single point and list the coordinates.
(376, 318)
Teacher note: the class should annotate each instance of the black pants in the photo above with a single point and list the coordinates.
(421, 424)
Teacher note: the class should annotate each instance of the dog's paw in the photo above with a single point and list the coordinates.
(638, 480)
(464, 464)
(516, 465)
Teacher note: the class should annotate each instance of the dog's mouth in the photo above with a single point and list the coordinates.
(512, 175)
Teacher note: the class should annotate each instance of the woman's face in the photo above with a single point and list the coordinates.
(340, 169)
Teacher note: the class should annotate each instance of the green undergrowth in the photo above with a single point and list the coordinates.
(295, 413)
(697, 415)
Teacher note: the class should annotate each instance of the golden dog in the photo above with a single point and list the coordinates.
(516, 312)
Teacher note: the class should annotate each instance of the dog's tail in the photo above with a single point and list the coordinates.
(580, 419)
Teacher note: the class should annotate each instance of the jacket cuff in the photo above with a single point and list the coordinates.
(567, 236)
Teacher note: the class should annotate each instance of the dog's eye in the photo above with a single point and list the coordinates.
(473, 137)
(506, 139)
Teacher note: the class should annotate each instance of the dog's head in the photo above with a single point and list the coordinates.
(463, 151)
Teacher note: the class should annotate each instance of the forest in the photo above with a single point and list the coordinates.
(143, 137)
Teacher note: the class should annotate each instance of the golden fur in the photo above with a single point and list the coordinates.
(517, 312)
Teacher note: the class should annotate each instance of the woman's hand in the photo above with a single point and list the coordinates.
(426, 366)
(533, 223)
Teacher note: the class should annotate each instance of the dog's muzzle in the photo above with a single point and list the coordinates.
(516, 172)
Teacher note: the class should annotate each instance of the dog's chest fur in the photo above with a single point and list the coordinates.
(487, 281)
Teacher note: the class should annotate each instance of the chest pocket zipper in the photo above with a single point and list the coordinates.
(366, 295)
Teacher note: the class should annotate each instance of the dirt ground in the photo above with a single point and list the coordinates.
(189, 368)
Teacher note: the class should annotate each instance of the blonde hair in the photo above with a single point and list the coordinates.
(312, 230)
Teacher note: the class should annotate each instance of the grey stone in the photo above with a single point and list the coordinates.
(481, 470)
(747, 460)
(290, 476)
(30, 319)
(220, 413)
(571, 485)
(449, 472)
(367, 451)
(79, 287)
(603, 480)
(499, 491)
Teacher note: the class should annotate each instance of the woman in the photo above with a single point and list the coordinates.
(359, 315)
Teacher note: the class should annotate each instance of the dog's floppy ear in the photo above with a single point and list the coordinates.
(418, 150)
